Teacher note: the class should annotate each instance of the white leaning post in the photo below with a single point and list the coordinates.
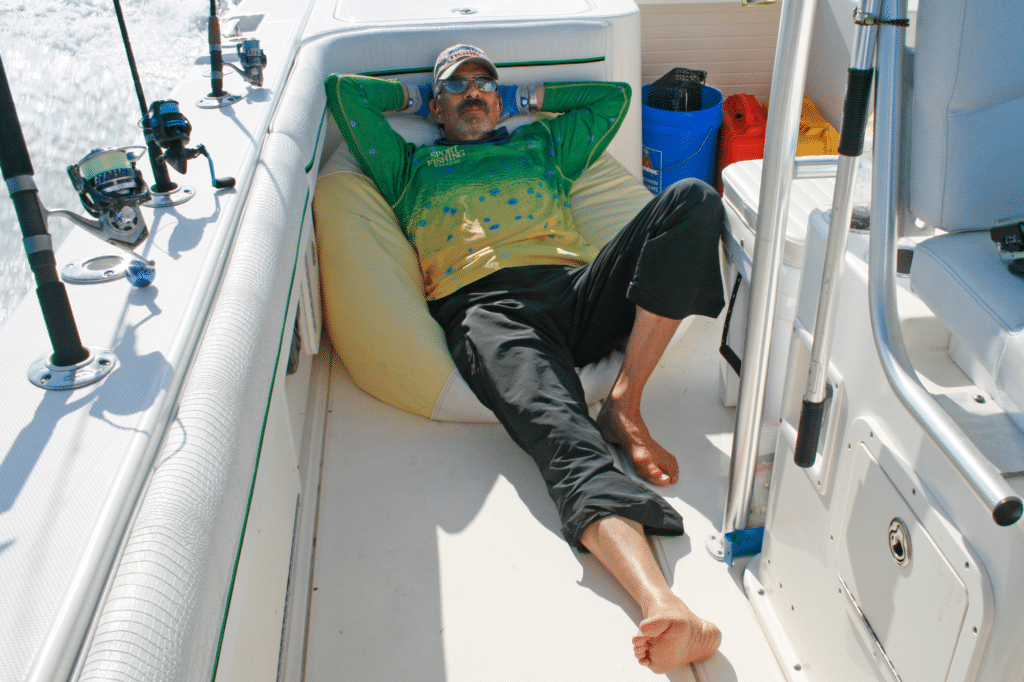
(788, 78)
(983, 478)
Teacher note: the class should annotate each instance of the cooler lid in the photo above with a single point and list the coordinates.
(742, 188)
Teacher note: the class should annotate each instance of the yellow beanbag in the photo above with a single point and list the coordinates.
(374, 307)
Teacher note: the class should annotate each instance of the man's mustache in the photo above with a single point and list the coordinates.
(467, 104)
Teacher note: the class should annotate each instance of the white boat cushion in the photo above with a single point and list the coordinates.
(374, 307)
(967, 151)
(962, 279)
(575, 49)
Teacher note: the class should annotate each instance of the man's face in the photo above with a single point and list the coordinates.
(471, 114)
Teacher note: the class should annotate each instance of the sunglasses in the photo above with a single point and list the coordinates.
(459, 84)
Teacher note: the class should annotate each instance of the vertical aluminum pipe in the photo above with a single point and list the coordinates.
(851, 144)
(983, 478)
(788, 78)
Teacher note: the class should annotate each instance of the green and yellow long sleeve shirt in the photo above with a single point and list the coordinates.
(469, 209)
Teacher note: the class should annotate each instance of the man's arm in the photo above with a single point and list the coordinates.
(539, 92)
(358, 104)
(592, 112)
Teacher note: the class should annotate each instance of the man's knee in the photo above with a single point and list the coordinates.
(694, 193)
(693, 210)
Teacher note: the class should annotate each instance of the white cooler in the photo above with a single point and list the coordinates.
(741, 182)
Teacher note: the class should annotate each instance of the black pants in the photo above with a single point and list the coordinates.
(518, 334)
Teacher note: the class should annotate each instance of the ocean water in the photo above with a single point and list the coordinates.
(73, 90)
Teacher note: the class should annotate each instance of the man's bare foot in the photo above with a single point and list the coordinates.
(650, 460)
(673, 636)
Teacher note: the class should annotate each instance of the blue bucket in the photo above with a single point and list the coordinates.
(680, 144)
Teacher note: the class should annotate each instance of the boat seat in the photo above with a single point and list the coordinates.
(962, 279)
(965, 178)
(374, 307)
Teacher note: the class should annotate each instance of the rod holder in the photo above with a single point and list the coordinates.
(68, 352)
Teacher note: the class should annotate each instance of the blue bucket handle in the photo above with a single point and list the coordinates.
(704, 142)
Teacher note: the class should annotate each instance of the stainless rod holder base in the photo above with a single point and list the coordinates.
(211, 102)
(178, 195)
(46, 375)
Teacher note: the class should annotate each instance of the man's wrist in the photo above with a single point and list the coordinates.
(526, 96)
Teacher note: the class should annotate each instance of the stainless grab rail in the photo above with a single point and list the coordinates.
(788, 78)
(983, 478)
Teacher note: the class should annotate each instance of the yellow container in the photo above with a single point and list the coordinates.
(817, 136)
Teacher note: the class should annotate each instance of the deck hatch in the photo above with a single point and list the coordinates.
(919, 591)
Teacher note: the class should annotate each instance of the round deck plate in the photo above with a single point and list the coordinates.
(96, 269)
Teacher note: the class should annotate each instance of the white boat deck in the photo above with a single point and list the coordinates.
(438, 555)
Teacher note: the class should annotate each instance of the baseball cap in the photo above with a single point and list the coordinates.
(455, 56)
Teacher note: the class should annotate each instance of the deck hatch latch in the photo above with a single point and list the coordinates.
(899, 542)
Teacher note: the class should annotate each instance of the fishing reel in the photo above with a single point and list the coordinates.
(167, 127)
(111, 190)
(253, 61)
(1010, 240)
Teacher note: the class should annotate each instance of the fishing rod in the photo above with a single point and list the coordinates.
(851, 145)
(164, 186)
(71, 365)
(167, 131)
(218, 97)
(250, 56)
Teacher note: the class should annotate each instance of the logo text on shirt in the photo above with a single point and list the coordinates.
(446, 157)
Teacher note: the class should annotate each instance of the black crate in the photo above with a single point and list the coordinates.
(680, 89)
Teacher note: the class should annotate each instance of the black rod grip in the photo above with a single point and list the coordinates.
(855, 111)
(216, 57)
(60, 325)
(164, 184)
(14, 156)
(811, 418)
(53, 297)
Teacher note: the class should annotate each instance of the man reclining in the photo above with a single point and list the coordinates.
(524, 300)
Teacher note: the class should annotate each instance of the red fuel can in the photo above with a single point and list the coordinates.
(743, 126)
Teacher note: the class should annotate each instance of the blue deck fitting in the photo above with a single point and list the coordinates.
(742, 543)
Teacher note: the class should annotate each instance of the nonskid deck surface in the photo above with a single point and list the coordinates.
(438, 555)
